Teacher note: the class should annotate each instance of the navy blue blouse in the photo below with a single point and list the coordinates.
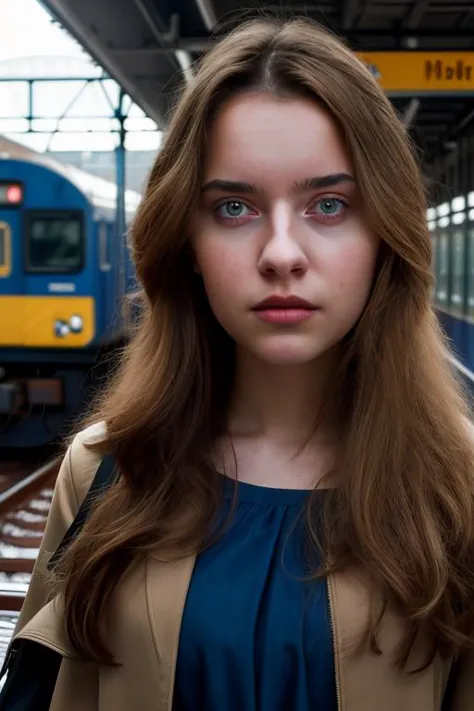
(256, 636)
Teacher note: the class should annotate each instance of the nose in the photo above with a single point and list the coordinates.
(282, 255)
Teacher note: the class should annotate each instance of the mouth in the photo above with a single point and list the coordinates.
(284, 302)
(284, 310)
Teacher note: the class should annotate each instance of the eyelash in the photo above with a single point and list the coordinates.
(239, 220)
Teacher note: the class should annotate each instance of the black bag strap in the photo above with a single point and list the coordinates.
(104, 478)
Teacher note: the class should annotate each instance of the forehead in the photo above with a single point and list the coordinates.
(263, 138)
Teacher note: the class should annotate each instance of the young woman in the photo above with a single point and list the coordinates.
(292, 527)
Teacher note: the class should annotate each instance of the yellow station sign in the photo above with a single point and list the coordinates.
(422, 72)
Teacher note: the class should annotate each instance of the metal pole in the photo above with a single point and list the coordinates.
(120, 180)
(30, 105)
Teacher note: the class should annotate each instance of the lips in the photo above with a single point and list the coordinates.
(284, 302)
(284, 311)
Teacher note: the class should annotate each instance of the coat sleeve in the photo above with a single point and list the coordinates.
(75, 476)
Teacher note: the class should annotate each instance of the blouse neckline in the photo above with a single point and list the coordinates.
(258, 494)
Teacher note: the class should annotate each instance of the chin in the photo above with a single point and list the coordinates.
(287, 355)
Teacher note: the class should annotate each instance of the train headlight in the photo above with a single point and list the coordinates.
(61, 329)
(76, 324)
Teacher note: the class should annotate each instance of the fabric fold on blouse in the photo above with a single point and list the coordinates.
(256, 633)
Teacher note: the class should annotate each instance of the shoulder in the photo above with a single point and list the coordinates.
(83, 458)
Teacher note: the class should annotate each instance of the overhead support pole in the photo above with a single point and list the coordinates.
(153, 24)
(186, 63)
(415, 15)
(207, 13)
(167, 40)
(410, 112)
(349, 11)
(30, 105)
(183, 56)
(120, 180)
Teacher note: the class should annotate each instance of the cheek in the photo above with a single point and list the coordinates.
(224, 272)
(352, 272)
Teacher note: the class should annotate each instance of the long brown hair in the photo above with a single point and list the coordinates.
(404, 509)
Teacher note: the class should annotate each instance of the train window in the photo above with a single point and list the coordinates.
(434, 247)
(5, 249)
(470, 266)
(55, 242)
(458, 267)
(104, 259)
(442, 264)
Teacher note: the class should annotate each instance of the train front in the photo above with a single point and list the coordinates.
(47, 309)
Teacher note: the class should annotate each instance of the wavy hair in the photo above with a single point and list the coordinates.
(404, 509)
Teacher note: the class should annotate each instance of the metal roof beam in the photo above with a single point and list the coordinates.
(410, 112)
(364, 13)
(93, 44)
(466, 20)
(416, 13)
(207, 13)
(197, 45)
(167, 39)
(349, 11)
(153, 23)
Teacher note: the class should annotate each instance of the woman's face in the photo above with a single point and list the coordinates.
(280, 216)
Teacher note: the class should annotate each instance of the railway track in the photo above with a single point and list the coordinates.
(25, 499)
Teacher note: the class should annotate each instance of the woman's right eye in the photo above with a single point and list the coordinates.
(232, 210)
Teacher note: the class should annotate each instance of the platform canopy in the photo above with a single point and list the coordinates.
(149, 47)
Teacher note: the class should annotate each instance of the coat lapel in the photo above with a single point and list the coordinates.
(368, 682)
(167, 585)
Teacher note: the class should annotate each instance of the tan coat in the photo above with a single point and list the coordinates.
(146, 616)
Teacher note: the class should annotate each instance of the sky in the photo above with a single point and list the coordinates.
(32, 45)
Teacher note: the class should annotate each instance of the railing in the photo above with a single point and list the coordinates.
(467, 374)
(23, 511)
(23, 490)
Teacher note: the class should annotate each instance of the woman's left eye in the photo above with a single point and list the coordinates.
(329, 207)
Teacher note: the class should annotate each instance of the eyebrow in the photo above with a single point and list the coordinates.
(234, 186)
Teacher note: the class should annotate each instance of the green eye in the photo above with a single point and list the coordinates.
(231, 209)
(330, 206)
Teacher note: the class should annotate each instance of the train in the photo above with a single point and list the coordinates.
(64, 272)
(451, 225)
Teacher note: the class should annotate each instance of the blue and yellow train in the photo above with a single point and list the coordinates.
(64, 270)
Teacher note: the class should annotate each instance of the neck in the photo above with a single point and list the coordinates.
(278, 400)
